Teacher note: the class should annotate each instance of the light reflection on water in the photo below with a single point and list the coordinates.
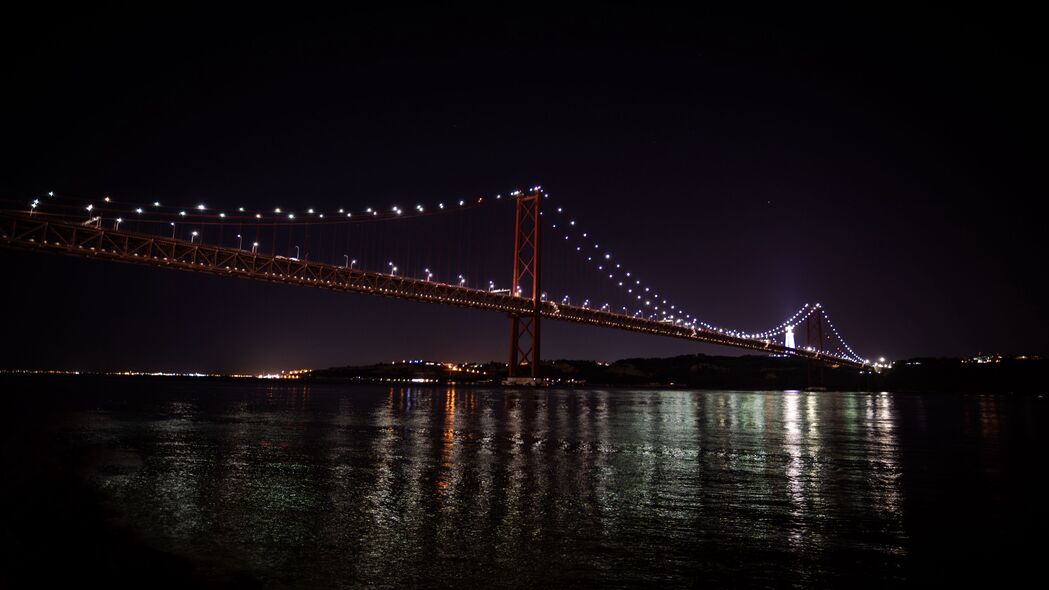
(322, 486)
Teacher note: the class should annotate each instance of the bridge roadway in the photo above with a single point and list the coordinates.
(39, 233)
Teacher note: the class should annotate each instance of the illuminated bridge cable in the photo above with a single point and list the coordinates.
(411, 248)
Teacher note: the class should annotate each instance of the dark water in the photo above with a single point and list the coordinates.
(330, 486)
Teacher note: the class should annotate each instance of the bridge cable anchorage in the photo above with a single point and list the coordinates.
(315, 249)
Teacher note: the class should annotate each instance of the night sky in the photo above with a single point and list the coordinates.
(886, 167)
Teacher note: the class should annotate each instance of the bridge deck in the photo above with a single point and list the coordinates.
(19, 230)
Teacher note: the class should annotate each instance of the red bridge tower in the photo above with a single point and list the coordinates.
(524, 327)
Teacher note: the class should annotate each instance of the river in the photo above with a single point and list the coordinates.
(269, 484)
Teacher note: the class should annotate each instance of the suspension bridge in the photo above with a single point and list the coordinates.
(406, 253)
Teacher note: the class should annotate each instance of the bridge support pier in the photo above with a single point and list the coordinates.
(524, 327)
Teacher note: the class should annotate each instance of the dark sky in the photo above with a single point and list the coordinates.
(888, 166)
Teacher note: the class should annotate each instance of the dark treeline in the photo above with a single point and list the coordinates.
(1021, 375)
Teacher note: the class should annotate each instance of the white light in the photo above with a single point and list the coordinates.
(50, 193)
(139, 210)
(156, 203)
(201, 207)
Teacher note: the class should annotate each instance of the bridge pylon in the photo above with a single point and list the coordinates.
(814, 339)
(524, 327)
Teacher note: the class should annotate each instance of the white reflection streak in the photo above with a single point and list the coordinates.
(792, 446)
(881, 438)
(380, 497)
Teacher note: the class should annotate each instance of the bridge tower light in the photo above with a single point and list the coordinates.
(789, 338)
